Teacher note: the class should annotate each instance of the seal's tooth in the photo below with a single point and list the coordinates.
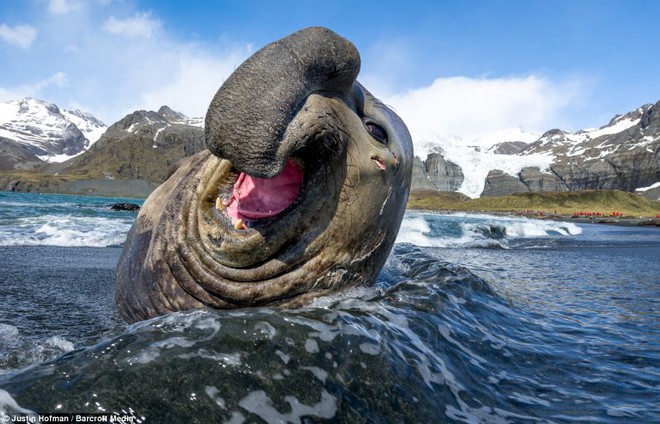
(239, 225)
(219, 204)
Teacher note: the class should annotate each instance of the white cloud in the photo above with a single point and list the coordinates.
(193, 80)
(110, 77)
(59, 79)
(139, 25)
(59, 7)
(476, 110)
(19, 35)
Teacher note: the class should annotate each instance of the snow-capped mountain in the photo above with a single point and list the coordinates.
(143, 145)
(623, 154)
(153, 124)
(622, 133)
(89, 125)
(51, 134)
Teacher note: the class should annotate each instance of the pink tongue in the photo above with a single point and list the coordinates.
(257, 198)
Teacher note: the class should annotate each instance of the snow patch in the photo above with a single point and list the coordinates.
(618, 127)
(651, 187)
(195, 122)
(477, 164)
(57, 158)
(154, 145)
(91, 127)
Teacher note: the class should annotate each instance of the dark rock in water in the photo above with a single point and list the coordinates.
(130, 207)
(650, 223)
(493, 231)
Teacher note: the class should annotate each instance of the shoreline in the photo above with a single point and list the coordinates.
(648, 222)
(99, 188)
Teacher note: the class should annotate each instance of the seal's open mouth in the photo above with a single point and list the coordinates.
(255, 198)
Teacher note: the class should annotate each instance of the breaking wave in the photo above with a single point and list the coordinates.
(18, 350)
(480, 231)
(53, 230)
(53, 220)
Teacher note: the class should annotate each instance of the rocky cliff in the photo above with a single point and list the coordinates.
(621, 155)
(16, 156)
(436, 173)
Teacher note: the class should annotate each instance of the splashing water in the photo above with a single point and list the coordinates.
(473, 319)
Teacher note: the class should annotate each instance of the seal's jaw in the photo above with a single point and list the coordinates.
(307, 184)
(256, 221)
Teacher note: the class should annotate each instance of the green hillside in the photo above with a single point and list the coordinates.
(565, 203)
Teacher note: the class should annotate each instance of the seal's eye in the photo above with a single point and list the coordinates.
(377, 132)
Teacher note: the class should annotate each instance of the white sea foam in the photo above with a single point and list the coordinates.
(352, 293)
(8, 335)
(9, 409)
(414, 230)
(471, 230)
(60, 343)
(259, 403)
(26, 350)
(60, 230)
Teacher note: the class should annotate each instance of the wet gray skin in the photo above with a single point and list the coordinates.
(298, 100)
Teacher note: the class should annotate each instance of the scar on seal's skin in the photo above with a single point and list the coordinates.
(379, 162)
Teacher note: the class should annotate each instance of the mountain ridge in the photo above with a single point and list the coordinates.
(49, 133)
(623, 154)
(126, 149)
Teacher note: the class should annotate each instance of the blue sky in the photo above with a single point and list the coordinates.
(451, 68)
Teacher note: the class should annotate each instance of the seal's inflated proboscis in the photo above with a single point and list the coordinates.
(300, 194)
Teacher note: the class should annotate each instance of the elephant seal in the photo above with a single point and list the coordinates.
(300, 193)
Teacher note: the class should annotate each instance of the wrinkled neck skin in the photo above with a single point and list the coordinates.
(185, 251)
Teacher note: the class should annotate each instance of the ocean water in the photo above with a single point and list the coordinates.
(474, 318)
